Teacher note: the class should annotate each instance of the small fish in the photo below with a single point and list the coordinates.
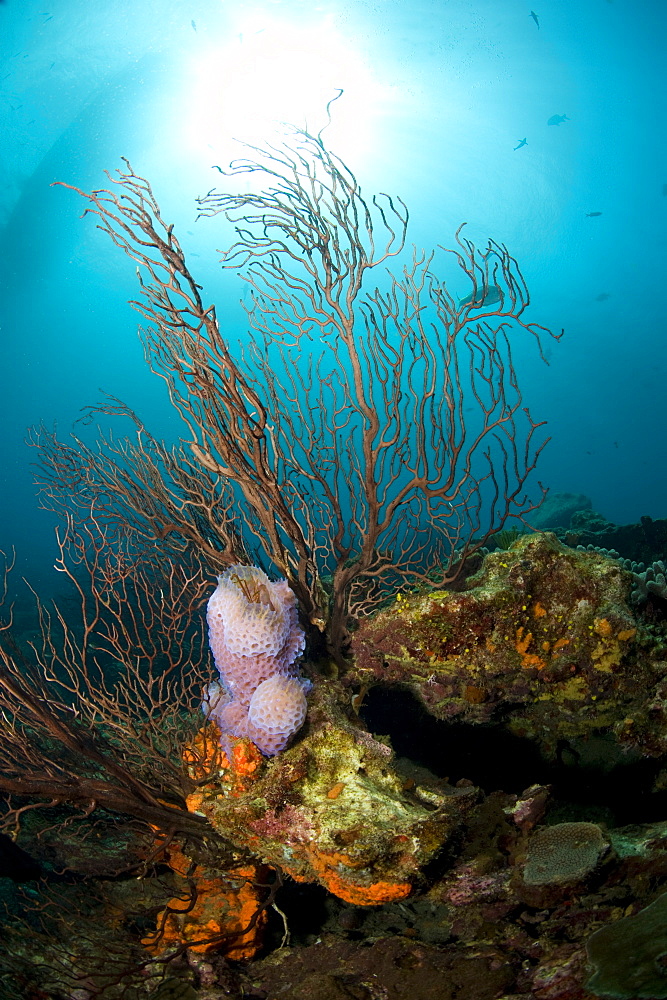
(483, 297)
(664, 186)
(194, 25)
(592, 215)
(534, 17)
(602, 297)
(557, 119)
(522, 142)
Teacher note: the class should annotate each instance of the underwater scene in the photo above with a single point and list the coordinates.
(333, 500)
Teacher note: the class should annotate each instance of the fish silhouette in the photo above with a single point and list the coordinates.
(557, 119)
(522, 142)
(592, 215)
(534, 17)
(602, 297)
(485, 295)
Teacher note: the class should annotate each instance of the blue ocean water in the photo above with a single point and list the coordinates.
(546, 133)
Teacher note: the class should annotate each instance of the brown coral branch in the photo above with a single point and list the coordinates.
(96, 713)
(341, 434)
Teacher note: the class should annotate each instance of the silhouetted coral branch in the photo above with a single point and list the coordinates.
(342, 435)
(97, 712)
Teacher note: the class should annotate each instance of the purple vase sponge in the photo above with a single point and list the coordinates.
(256, 639)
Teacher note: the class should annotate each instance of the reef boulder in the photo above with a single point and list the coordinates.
(543, 638)
(333, 809)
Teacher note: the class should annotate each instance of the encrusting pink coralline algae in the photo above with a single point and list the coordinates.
(255, 638)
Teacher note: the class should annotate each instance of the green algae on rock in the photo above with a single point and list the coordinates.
(543, 642)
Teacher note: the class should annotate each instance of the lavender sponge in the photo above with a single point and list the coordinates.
(255, 638)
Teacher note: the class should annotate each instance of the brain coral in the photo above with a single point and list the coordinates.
(255, 638)
(566, 852)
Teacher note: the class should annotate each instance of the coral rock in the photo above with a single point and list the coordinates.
(333, 810)
(543, 637)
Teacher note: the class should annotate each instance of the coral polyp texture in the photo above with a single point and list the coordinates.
(256, 639)
(564, 853)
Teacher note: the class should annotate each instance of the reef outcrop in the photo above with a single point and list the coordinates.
(543, 639)
(333, 809)
(543, 647)
(543, 644)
